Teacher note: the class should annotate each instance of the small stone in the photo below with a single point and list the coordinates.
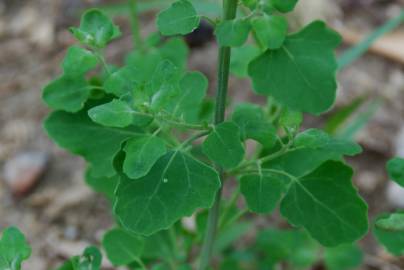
(22, 172)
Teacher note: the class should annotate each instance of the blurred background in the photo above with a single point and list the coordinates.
(41, 186)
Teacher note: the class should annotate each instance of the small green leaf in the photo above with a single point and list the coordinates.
(284, 5)
(180, 18)
(104, 185)
(291, 119)
(223, 145)
(175, 187)
(250, 3)
(175, 50)
(389, 231)
(141, 154)
(97, 144)
(145, 63)
(253, 125)
(317, 145)
(123, 81)
(301, 74)
(67, 93)
(241, 57)
(343, 257)
(14, 249)
(116, 113)
(78, 61)
(122, 248)
(395, 168)
(270, 31)
(332, 220)
(232, 33)
(96, 29)
(262, 191)
(89, 260)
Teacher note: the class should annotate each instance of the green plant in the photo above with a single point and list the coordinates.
(159, 152)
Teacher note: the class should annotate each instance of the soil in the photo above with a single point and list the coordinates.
(60, 215)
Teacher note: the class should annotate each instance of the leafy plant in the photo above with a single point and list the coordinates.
(157, 151)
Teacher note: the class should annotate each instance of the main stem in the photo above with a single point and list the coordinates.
(134, 17)
(229, 13)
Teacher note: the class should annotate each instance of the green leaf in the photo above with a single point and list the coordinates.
(386, 233)
(122, 248)
(145, 63)
(284, 5)
(232, 33)
(89, 260)
(104, 185)
(116, 113)
(96, 29)
(14, 249)
(301, 74)
(223, 145)
(159, 245)
(97, 144)
(123, 81)
(180, 18)
(193, 87)
(250, 3)
(317, 145)
(262, 191)
(270, 31)
(141, 154)
(67, 93)
(311, 202)
(78, 61)
(291, 119)
(241, 57)
(175, 187)
(253, 125)
(293, 247)
(175, 50)
(343, 257)
(395, 168)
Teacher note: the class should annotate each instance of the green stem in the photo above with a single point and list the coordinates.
(229, 13)
(141, 264)
(137, 38)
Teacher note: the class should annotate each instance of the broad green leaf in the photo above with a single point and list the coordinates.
(116, 113)
(104, 185)
(180, 18)
(253, 125)
(89, 260)
(293, 247)
(284, 5)
(78, 61)
(317, 145)
(159, 245)
(395, 168)
(123, 81)
(311, 202)
(67, 93)
(301, 74)
(232, 33)
(241, 57)
(145, 63)
(386, 233)
(175, 50)
(393, 223)
(14, 249)
(122, 248)
(262, 191)
(175, 187)
(96, 29)
(97, 144)
(270, 31)
(193, 87)
(223, 145)
(343, 257)
(141, 154)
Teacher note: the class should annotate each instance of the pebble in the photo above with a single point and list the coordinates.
(22, 172)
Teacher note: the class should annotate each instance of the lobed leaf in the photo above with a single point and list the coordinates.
(104, 185)
(14, 249)
(311, 202)
(241, 57)
(270, 31)
(223, 145)
(141, 154)
(78, 61)
(180, 18)
(174, 187)
(301, 74)
(232, 33)
(115, 113)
